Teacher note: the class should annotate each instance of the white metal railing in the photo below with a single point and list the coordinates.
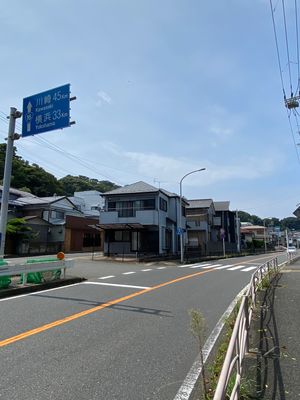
(239, 342)
(24, 269)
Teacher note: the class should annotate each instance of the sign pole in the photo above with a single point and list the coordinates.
(14, 114)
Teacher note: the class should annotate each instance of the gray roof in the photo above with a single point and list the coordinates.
(169, 194)
(200, 203)
(17, 192)
(31, 200)
(221, 205)
(139, 187)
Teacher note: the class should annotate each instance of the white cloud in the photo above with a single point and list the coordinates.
(103, 97)
(170, 169)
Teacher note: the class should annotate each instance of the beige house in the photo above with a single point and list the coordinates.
(250, 232)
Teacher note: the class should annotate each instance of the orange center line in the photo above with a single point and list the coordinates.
(73, 317)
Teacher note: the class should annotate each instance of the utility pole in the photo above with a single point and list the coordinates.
(14, 114)
(238, 231)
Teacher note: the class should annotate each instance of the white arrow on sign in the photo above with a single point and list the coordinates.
(29, 107)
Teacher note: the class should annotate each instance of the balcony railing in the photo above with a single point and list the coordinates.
(141, 216)
(198, 225)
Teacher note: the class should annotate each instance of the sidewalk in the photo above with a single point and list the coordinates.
(273, 365)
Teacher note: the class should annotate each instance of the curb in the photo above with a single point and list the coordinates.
(14, 291)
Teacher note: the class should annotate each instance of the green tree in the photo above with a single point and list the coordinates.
(290, 223)
(71, 184)
(18, 226)
(33, 177)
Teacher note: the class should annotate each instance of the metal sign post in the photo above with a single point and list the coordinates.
(42, 112)
(14, 114)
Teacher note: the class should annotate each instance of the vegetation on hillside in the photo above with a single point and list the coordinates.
(285, 223)
(34, 179)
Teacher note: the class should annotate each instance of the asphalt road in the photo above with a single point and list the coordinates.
(123, 334)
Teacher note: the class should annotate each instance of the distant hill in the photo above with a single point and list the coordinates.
(34, 179)
(285, 223)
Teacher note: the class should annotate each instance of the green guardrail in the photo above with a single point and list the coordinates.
(45, 276)
(5, 281)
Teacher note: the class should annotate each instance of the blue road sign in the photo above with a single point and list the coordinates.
(46, 111)
(179, 231)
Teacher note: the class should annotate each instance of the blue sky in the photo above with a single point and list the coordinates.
(163, 88)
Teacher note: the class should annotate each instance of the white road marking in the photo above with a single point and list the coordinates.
(192, 377)
(225, 266)
(248, 269)
(107, 277)
(161, 268)
(201, 266)
(40, 291)
(187, 265)
(212, 266)
(128, 273)
(116, 285)
(237, 267)
(148, 269)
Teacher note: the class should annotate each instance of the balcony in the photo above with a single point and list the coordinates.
(143, 217)
(197, 225)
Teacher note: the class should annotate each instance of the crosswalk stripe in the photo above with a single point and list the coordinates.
(187, 265)
(161, 268)
(225, 266)
(128, 273)
(147, 269)
(212, 266)
(248, 269)
(201, 266)
(237, 267)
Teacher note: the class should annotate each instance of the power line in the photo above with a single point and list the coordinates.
(297, 41)
(287, 47)
(293, 135)
(277, 48)
(79, 160)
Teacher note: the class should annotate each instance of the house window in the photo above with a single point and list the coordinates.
(111, 206)
(163, 205)
(121, 236)
(183, 211)
(57, 214)
(125, 209)
(148, 204)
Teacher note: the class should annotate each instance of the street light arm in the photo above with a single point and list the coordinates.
(192, 172)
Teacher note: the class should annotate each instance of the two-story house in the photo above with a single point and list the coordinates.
(226, 225)
(200, 214)
(141, 219)
(209, 224)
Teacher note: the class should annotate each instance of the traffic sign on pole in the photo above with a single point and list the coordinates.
(46, 111)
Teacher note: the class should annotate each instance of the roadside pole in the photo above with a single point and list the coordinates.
(14, 114)
(238, 231)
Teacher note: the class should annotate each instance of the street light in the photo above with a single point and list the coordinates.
(265, 237)
(180, 211)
